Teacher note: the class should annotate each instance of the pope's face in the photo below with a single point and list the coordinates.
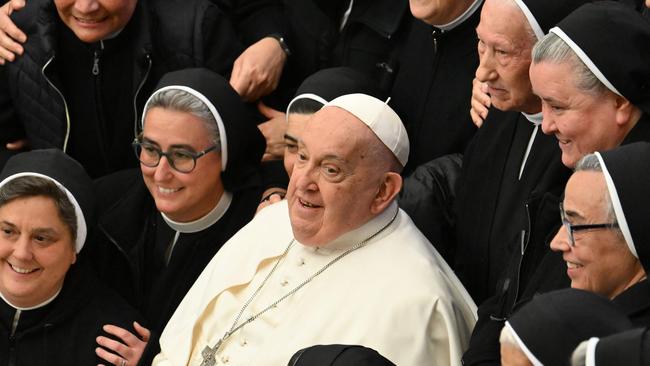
(94, 20)
(295, 126)
(334, 179)
(600, 261)
(504, 49)
(36, 250)
(183, 197)
(438, 12)
(582, 122)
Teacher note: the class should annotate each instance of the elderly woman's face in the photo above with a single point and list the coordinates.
(36, 250)
(600, 261)
(581, 122)
(183, 197)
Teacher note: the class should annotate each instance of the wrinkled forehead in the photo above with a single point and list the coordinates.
(586, 192)
(503, 20)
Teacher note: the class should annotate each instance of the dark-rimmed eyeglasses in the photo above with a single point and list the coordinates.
(181, 160)
(570, 228)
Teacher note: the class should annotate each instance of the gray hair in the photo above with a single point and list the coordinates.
(182, 101)
(553, 49)
(30, 186)
(591, 163)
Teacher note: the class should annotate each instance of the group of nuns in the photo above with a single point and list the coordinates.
(143, 248)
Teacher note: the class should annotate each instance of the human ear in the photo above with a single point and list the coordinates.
(390, 186)
(626, 112)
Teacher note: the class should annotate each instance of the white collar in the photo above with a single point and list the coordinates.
(31, 307)
(204, 222)
(536, 118)
(462, 18)
(363, 232)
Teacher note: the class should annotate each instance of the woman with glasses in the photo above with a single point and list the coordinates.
(604, 239)
(197, 185)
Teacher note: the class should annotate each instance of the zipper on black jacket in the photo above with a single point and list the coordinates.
(137, 92)
(65, 104)
(102, 140)
(96, 56)
(435, 33)
(525, 238)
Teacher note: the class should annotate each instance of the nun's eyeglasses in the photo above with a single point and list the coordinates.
(570, 229)
(181, 160)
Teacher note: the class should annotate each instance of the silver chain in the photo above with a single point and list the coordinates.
(209, 352)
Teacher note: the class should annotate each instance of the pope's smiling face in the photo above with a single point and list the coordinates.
(94, 20)
(36, 250)
(183, 197)
(600, 261)
(335, 178)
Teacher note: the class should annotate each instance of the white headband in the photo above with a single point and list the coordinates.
(537, 29)
(618, 208)
(584, 58)
(522, 345)
(222, 128)
(82, 229)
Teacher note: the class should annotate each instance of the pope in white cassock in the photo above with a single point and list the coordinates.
(337, 262)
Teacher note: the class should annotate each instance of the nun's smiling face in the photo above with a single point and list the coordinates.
(183, 197)
(600, 261)
(36, 250)
(582, 122)
(504, 48)
(335, 179)
(94, 20)
(438, 12)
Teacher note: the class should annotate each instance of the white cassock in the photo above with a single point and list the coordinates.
(395, 295)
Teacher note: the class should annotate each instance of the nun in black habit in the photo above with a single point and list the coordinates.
(627, 173)
(549, 327)
(338, 355)
(52, 307)
(596, 30)
(159, 226)
(629, 348)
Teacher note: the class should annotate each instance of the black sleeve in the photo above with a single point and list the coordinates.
(428, 196)
(11, 129)
(219, 40)
(274, 175)
(483, 347)
(254, 19)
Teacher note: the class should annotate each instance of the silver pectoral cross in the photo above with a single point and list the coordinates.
(209, 354)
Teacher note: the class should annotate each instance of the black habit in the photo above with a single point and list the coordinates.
(64, 331)
(433, 88)
(542, 270)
